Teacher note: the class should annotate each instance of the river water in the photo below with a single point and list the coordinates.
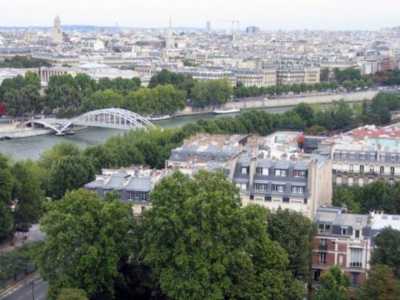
(33, 147)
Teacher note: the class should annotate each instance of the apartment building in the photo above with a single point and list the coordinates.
(269, 171)
(132, 185)
(275, 173)
(347, 240)
(342, 240)
(287, 75)
(258, 78)
(364, 155)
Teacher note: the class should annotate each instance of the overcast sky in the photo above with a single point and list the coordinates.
(268, 14)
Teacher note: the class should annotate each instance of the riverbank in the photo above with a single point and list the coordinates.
(13, 131)
(283, 102)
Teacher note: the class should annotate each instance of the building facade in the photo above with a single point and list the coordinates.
(364, 155)
(347, 240)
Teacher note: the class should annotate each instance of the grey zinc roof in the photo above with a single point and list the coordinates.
(353, 220)
(335, 217)
(281, 164)
(265, 163)
(99, 183)
(139, 184)
(116, 181)
(301, 165)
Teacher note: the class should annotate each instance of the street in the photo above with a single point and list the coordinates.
(24, 291)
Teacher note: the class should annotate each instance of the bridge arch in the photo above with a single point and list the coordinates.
(116, 118)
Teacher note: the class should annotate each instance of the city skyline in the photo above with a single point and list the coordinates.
(273, 15)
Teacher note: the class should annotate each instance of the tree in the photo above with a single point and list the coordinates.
(69, 173)
(306, 112)
(72, 294)
(387, 249)
(28, 194)
(294, 233)
(381, 284)
(56, 153)
(86, 238)
(6, 222)
(103, 99)
(6, 185)
(334, 285)
(212, 92)
(201, 244)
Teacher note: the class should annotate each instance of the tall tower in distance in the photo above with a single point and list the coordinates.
(169, 40)
(57, 35)
(208, 26)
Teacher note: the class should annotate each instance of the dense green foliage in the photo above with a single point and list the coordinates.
(86, 238)
(387, 249)
(72, 294)
(381, 284)
(163, 99)
(242, 91)
(28, 195)
(21, 62)
(179, 81)
(18, 186)
(196, 242)
(375, 196)
(334, 285)
(294, 232)
(211, 93)
(17, 263)
(21, 95)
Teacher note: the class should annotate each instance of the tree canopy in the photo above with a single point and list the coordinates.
(381, 284)
(203, 245)
(334, 285)
(387, 249)
(86, 237)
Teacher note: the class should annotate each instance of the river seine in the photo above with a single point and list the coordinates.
(33, 147)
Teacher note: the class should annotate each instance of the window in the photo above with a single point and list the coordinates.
(362, 169)
(350, 181)
(323, 244)
(392, 170)
(268, 198)
(262, 171)
(286, 200)
(251, 197)
(356, 257)
(357, 234)
(305, 200)
(278, 188)
(351, 167)
(371, 170)
(355, 278)
(259, 187)
(382, 170)
(244, 171)
(299, 173)
(242, 186)
(339, 180)
(281, 173)
(324, 228)
(137, 196)
(322, 258)
(343, 231)
(298, 189)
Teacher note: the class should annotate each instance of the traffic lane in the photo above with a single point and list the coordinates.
(40, 289)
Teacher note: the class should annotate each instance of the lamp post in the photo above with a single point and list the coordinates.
(33, 289)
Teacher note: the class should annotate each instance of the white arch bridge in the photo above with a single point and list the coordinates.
(115, 118)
